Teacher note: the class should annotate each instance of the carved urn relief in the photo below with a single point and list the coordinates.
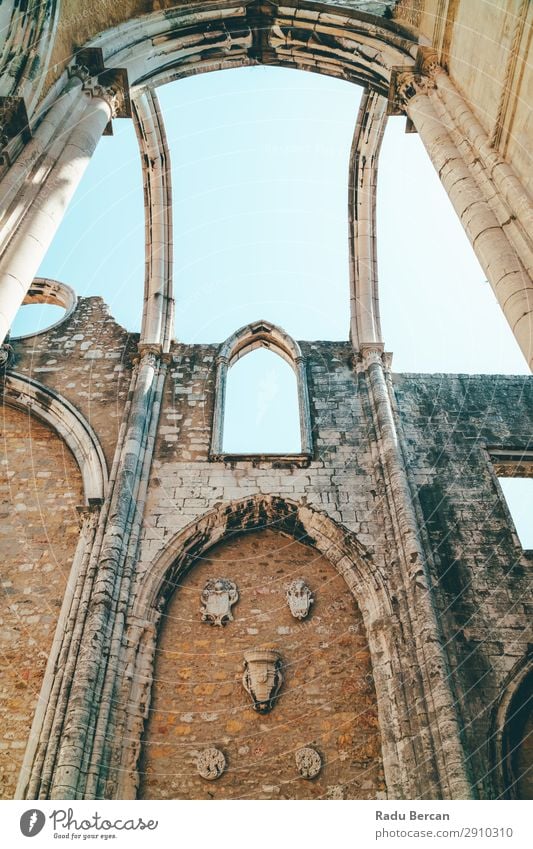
(211, 763)
(308, 762)
(262, 677)
(218, 597)
(299, 599)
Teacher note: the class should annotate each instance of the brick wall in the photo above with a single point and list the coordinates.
(40, 488)
(327, 699)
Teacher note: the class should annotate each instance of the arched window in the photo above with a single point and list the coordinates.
(260, 334)
(513, 738)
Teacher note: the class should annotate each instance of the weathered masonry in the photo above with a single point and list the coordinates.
(349, 621)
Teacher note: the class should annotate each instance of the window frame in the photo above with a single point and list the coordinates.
(261, 334)
(510, 463)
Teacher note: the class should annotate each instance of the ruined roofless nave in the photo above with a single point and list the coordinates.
(352, 620)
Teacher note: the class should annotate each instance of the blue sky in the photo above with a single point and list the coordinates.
(259, 165)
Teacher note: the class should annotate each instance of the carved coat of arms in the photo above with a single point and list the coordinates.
(262, 677)
(299, 598)
(218, 596)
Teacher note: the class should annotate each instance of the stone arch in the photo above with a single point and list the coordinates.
(260, 334)
(47, 291)
(27, 394)
(326, 38)
(365, 580)
(511, 732)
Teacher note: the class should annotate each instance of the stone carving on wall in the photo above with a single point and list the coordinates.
(299, 598)
(308, 762)
(6, 355)
(211, 763)
(218, 597)
(262, 677)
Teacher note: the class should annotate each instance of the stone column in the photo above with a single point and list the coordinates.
(158, 309)
(414, 92)
(431, 692)
(80, 767)
(31, 234)
(303, 406)
(217, 437)
(365, 324)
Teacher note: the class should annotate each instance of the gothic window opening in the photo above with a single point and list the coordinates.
(514, 472)
(261, 413)
(261, 400)
(518, 494)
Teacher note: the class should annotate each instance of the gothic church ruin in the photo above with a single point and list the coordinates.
(351, 621)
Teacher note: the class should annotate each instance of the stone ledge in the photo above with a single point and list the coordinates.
(268, 461)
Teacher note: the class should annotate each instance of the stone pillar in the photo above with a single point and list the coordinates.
(431, 694)
(80, 767)
(414, 92)
(365, 324)
(158, 309)
(30, 234)
(217, 437)
(303, 406)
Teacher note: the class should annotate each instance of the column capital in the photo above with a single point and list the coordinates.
(407, 81)
(370, 353)
(111, 84)
(113, 87)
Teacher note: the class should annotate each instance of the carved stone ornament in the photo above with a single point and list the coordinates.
(308, 762)
(211, 763)
(299, 598)
(262, 677)
(218, 596)
(6, 355)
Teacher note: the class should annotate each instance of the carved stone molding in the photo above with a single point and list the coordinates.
(262, 677)
(111, 84)
(88, 62)
(299, 598)
(218, 597)
(211, 763)
(6, 356)
(408, 81)
(369, 354)
(308, 762)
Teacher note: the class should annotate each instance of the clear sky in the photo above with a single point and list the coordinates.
(259, 165)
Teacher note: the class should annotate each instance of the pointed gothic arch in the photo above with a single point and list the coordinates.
(509, 731)
(260, 334)
(27, 394)
(388, 643)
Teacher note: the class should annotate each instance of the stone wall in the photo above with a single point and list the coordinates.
(88, 360)
(40, 487)
(482, 576)
(448, 425)
(327, 699)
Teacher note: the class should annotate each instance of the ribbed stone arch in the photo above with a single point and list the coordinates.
(337, 39)
(29, 395)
